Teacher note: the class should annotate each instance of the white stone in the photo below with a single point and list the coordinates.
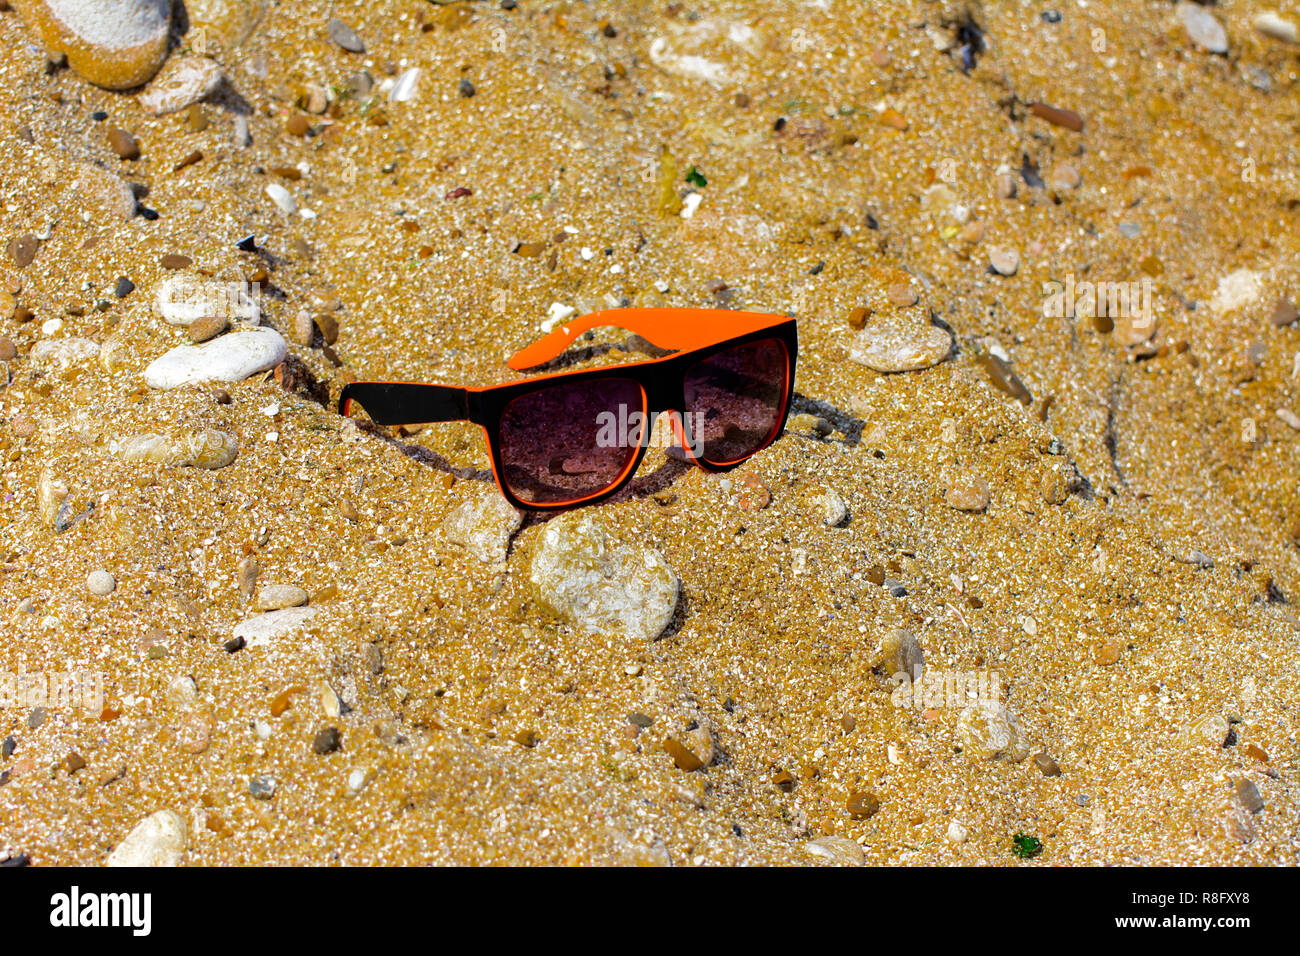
(1237, 290)
(100, 583)
(484, 526)
(115, 24)
(1205, 31)
(900, 345)
(183, 297)
(601, 586)
(184, 81)
(1272, 25)
(261, 629)
(989, 729)
(1005, 261)
(282, 198)
(837, 848)
(230, 358)
(277, 597)
(64, 353)
(100, 191)
(157, 840)
(404, 88)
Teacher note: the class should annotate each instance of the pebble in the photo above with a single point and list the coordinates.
(1248, 796)
(8, 351)
(183, 298)
(246, 573)
(968, 492)
(1057, 116)
(185, 81)
(903, 295)
(36, 718)
(1005, 260)
(124, 144)
(988, 729)
(1046, 764)
(404, 88)
(1106, 653)
(282, 198)
(207, 327)
(261, 786)
(1002, 376)
(1290, 417)
(1237, 290)
(297, 125)
(327, 740)
(836, 848)
(831, 507)
(123, 287)
(1272, 25)
(1202, 27)
(261, 629)
(115, 44)
(205, 448)
(345, 36)
(174, 260)
(1237, 824)
(902, 653)
(957, 832)
(1284, 313)
(183, 693)
(22, 250)
(1054, 488)
(683, 758)
(1063, 177)
(230, 358)
(276, 597)
(601, 586)
(862, 805)
(1004, 185)
(64, 353)
(194, 734)
(157, 840)
(484, 526)
(101, 583)
(900, 345)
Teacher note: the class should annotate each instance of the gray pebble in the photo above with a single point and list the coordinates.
(262, 787)
(345, 36)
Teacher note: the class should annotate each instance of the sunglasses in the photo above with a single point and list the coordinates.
(575, 438)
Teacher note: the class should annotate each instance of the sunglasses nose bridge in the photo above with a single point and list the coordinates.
(663, 397)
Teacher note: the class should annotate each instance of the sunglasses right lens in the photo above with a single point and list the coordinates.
(734, 400)
(566, 442)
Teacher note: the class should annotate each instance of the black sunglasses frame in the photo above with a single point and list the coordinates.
(662, 382)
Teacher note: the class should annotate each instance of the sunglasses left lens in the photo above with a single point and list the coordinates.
(570, 441)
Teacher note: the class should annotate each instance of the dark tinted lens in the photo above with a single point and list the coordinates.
(733, 400)
(570, 441)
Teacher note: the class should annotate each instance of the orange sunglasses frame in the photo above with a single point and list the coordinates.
(691, 335)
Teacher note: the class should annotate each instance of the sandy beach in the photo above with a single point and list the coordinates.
(1043, 448)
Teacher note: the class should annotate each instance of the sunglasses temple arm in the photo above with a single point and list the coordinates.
(668, 329)
(401, 403)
